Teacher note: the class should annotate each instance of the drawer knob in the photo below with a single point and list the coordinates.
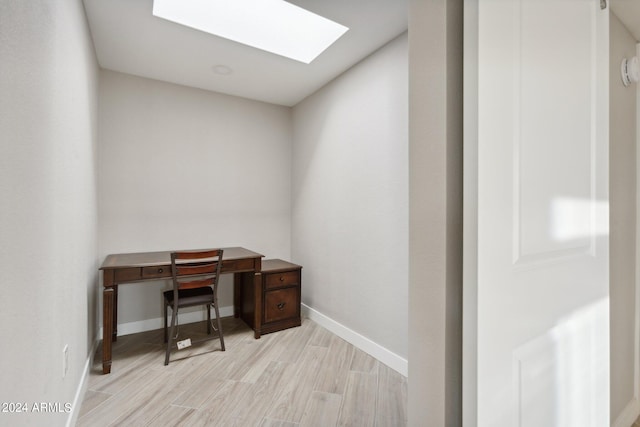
(282, 278)
(160, 270)
(281, 306)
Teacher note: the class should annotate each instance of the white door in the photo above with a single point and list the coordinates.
(536, 337)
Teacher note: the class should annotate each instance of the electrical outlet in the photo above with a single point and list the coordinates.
(65, 360)
(184, 343)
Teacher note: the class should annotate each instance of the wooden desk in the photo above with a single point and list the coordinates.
(144, 266)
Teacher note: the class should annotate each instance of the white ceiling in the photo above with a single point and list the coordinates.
(628, 11)
(129, 39)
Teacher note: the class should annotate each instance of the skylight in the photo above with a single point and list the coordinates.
(272, 25)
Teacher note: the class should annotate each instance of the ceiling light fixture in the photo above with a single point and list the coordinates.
(272, 25)
(222, 69)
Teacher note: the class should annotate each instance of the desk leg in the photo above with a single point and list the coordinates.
(114, 322)
(237, 294)
(257, 312)
(248, 299)
(107, 328)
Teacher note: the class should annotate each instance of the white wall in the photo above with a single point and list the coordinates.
(183, 168)
(48, 219)
(624, 400)
(350, 198)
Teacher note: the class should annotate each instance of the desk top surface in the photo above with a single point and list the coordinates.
(144, 259)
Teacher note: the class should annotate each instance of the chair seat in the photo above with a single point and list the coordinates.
(188, 297)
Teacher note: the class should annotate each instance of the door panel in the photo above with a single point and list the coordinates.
(539, 303)
(554, 84)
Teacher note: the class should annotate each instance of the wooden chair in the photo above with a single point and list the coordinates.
(195, 282)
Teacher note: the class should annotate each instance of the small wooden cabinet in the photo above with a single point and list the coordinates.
(280, 296)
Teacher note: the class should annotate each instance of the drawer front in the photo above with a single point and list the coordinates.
(281, 304)
(156, 272)
(236, 265)
(127, 274)
(278, 280)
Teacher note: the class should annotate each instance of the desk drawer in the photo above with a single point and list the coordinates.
(280, 304)
(127, 274)
(279, 280)
(236, 265)
(156, 272)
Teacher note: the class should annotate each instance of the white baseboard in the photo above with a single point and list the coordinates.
(392, 360)
(629, 415)
(82, 386)
(158, 322)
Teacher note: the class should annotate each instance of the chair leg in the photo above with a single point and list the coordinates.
(209, 319)
(219, 326)
(166, 314)
(171, 334)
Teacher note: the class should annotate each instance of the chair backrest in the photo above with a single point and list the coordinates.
(195, 269)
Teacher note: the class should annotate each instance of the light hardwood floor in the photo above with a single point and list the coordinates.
(303, 376)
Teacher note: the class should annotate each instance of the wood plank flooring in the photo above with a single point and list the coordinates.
(303, 376)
